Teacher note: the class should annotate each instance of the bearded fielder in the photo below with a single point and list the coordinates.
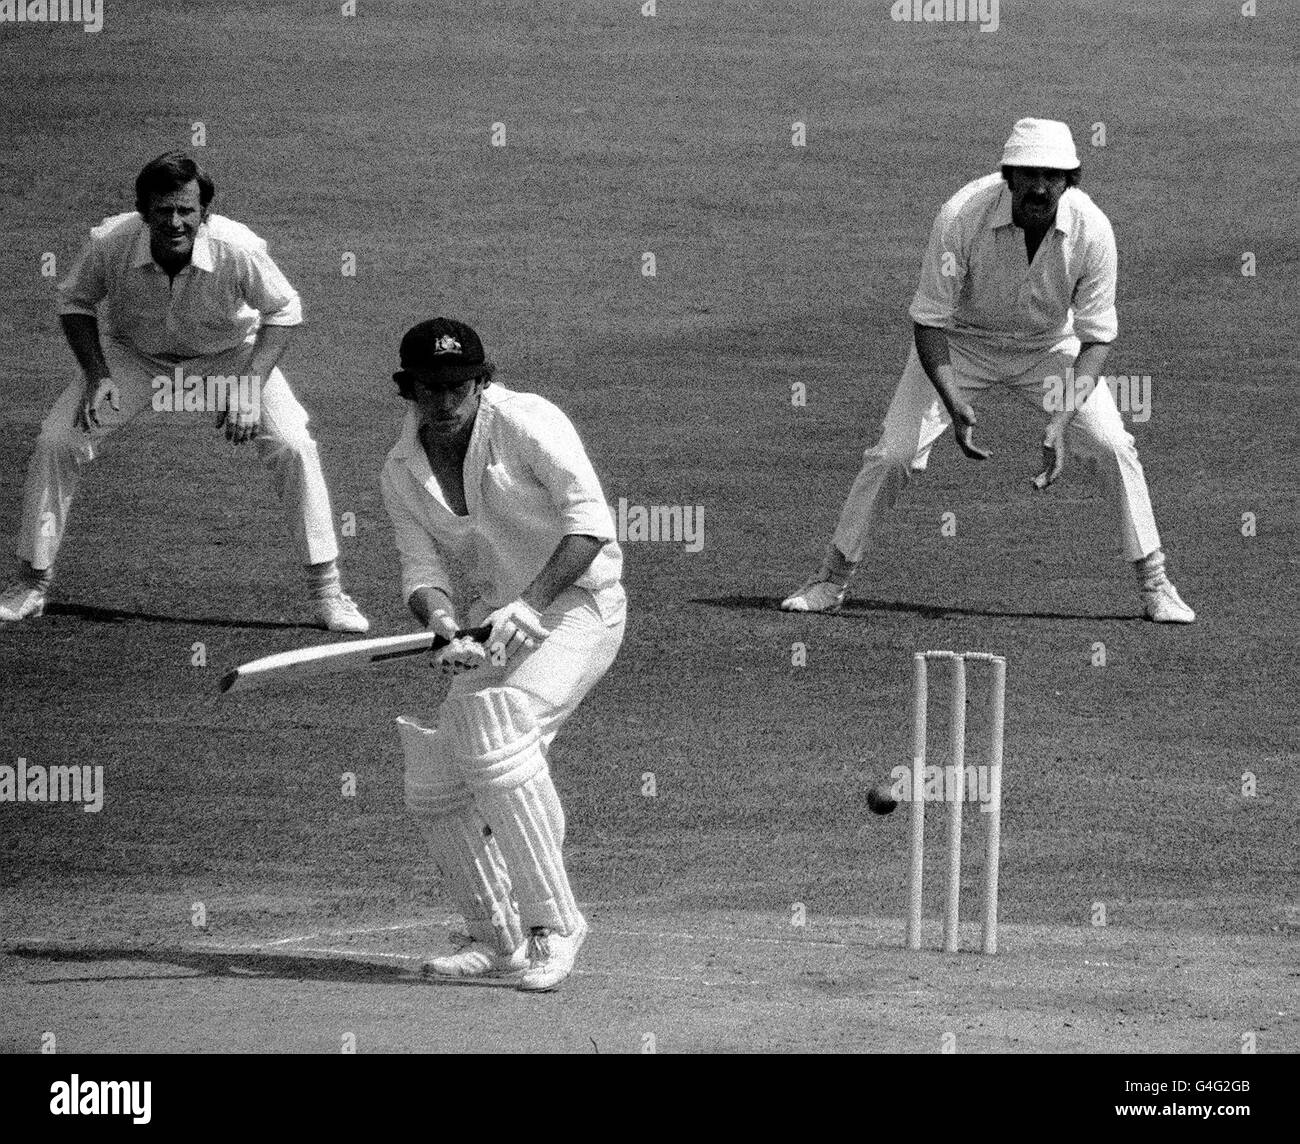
(186, 294)
(1017, 289)
(500, 521)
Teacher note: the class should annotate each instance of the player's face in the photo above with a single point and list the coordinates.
(447, 411)
(174, 220)
(1035, 191)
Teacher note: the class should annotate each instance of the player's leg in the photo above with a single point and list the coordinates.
(916, 418)
(465, 853)
(503, 720)
(499, 753)
(61, 452)
(287, 448)
(1097, 431)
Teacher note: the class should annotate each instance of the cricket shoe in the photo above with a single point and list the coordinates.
(550, 957)
(1164, 605)
(337, 613)
(20, 601)
(816, 596)
(476, 960)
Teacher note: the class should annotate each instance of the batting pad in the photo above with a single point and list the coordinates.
(498, 745)
(461, 844)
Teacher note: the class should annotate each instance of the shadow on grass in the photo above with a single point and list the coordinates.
(118, 616)
(860, 606)
(221, 963)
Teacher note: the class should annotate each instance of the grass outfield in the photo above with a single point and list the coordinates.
(775, 264)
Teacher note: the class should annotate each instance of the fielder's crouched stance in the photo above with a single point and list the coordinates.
(187, 297)
(500, 520)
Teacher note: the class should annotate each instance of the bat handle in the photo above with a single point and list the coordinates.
(480, 633)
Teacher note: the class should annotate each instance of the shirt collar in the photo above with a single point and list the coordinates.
(200, 256)
(1001, 215)
(1065, 211)
(408, 442)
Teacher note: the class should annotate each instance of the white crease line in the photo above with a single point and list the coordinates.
(354, 932)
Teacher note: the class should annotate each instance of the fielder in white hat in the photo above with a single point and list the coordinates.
(1017, 290)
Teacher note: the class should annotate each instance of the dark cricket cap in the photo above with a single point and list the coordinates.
(445, 348)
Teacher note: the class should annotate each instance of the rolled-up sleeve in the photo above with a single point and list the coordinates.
(943, 269)
(86, 284)
(267, 290)
(556, 457)
(1093, 302)
(422, 563)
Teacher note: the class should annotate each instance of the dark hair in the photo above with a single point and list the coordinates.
(407, 387)
(171, 172)
(1071, 177)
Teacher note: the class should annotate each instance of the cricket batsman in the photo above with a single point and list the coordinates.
(500, 521)
(1017, 290)
(192, 304)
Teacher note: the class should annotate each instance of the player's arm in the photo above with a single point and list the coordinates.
(434, 609)
(519, 624)
(82, 332)
(79, 296)
(932, 349)
(1087, 375)
(424, 575)
(268, 291)
(263, 356)
(554, 454)
(1096, 324)
(571, 558)
(268, 349)
(943, 271)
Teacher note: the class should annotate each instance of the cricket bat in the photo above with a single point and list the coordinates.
(355, 655)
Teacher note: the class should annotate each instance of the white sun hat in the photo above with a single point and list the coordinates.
(1041, 143)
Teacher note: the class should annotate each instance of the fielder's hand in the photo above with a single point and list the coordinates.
(516, 627)
(1053, 455)
(241, 424)
(87, 417)
(963, 426)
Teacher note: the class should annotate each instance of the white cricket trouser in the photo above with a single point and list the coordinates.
(62, 449)
(916, 419)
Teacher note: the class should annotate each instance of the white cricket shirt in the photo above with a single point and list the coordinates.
(528, 483)
(977, 282)
(229, 289)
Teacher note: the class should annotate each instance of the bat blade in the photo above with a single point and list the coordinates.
(327, 659)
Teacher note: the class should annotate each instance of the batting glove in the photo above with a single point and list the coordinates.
(515, 627)
(464, 653)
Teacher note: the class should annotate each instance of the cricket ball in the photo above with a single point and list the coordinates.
(881, 799)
